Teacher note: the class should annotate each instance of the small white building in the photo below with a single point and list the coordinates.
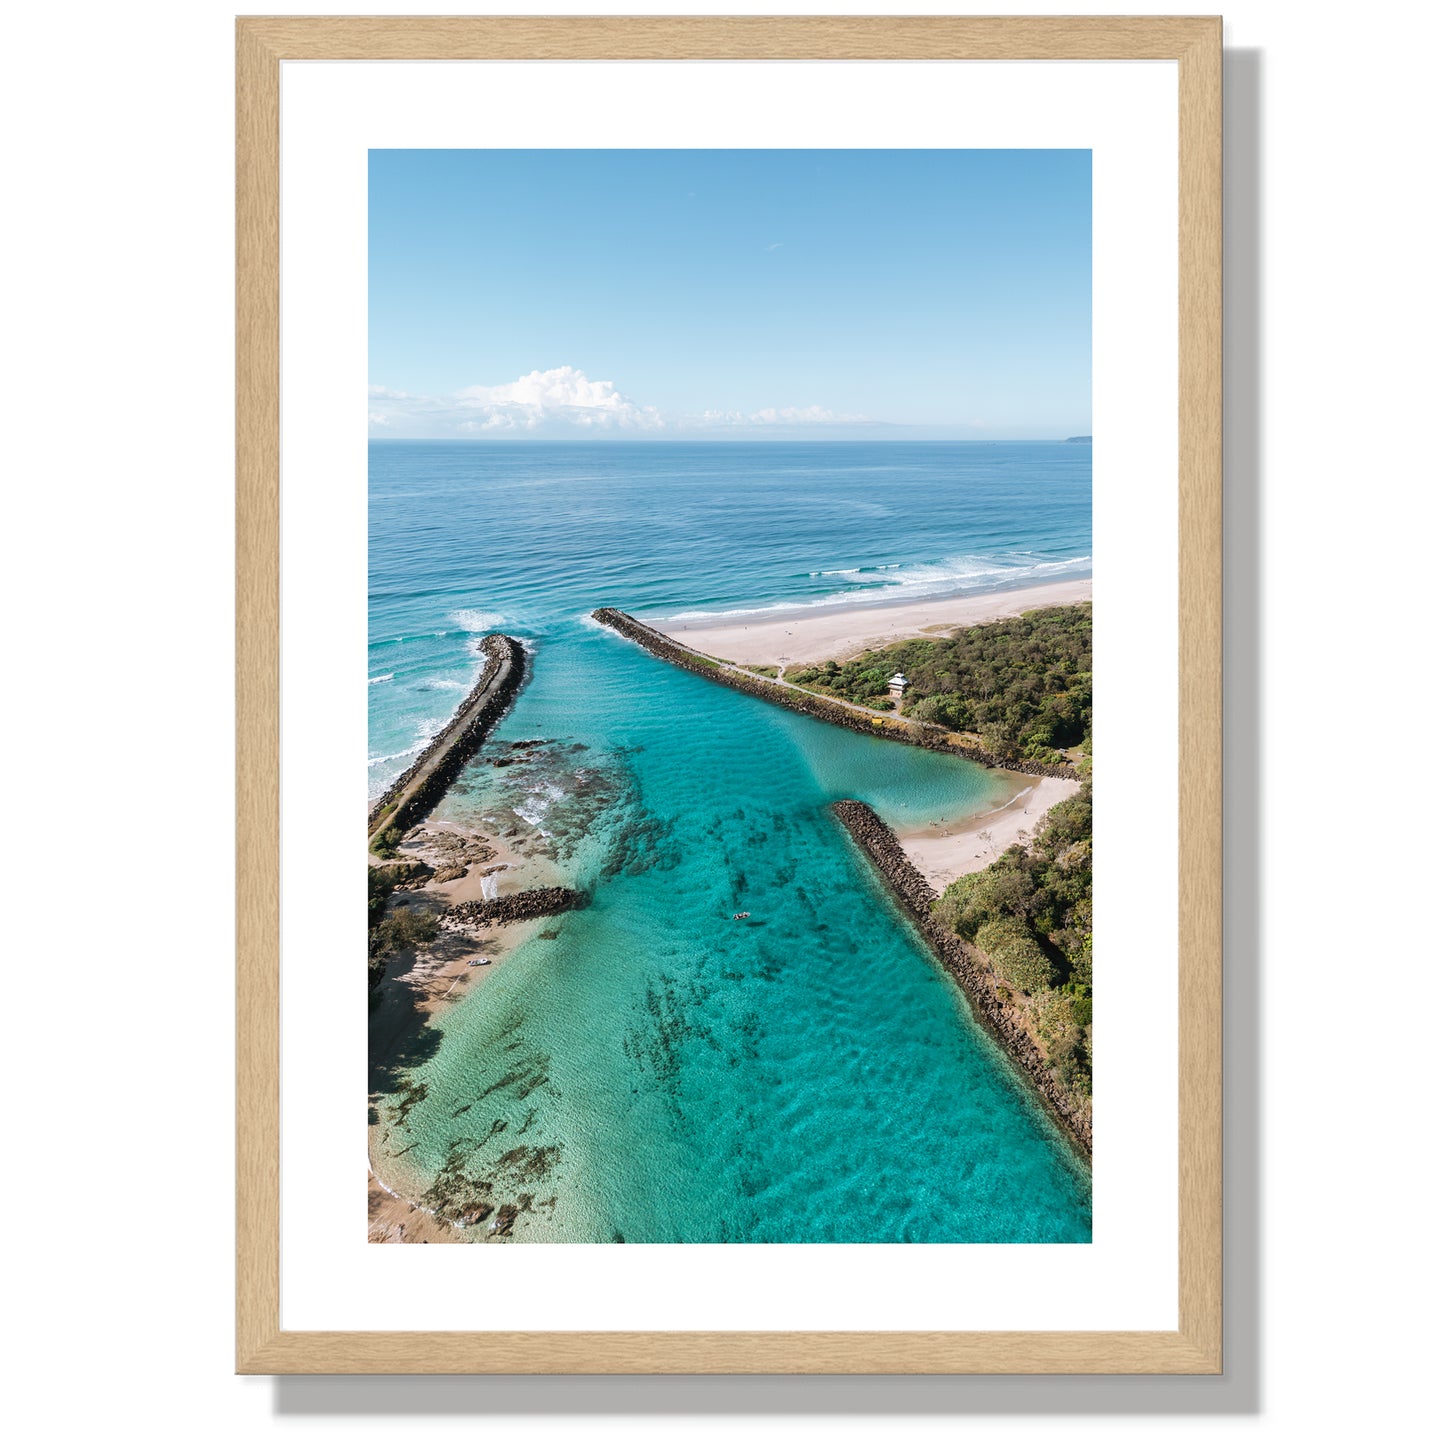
(896, 684)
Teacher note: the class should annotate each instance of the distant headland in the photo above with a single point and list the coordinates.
(1078, 439)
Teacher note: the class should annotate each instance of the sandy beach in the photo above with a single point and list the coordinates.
(813, 635)
(949, 849)
(393, 1220)
(416, 986)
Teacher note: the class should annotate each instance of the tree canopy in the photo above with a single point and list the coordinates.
(1023, 684)
(1031, 912)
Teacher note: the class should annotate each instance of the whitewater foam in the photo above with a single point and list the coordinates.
(392, 757)
(471, 620)
(914, 581)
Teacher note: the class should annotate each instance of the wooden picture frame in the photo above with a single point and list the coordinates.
(1194, 44)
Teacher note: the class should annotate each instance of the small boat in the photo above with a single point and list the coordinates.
(737, 916)
(478, 962)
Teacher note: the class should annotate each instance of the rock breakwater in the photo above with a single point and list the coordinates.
(811, 704)
(515, 907)
(418, 790)
(985, 991)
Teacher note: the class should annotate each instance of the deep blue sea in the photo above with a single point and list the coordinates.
(646, 1069)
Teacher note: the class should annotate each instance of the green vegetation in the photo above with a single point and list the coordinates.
(1022, 685)
(384, 844)
(1015, 954)
(382, 882)
(402, 928)
(1032, 913)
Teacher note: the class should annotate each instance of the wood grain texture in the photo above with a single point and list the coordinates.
(1201, 603)
(258, 718)
(734, 37)
(681, 1352)
(262, 44)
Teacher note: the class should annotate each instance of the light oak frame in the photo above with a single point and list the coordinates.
(263, 43)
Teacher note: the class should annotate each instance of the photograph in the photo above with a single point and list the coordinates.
(729, 696)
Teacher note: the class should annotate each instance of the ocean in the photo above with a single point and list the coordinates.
(646, 1069)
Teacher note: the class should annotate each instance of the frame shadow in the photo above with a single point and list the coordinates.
(1238, 1391)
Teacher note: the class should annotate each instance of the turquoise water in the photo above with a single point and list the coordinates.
(648, 1069)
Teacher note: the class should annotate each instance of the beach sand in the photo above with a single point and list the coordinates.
(392, 1220)
(948, 849)
(815, 635)
(417, 986)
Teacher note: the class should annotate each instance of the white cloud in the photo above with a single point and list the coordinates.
(562, 402)
(563, 396)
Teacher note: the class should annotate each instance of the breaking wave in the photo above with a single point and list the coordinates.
(916, 581)
(470, 620)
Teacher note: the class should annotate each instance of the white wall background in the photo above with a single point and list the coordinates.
(118, 612)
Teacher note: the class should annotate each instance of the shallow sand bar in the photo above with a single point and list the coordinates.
(811, 635)
(949, 848)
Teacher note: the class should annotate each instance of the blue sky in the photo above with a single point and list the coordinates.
(730, 294)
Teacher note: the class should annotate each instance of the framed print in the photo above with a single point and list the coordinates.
(700, 589)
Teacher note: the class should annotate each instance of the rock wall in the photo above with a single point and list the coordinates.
(966, 963)
(420, 788)
(530, 903)
(825, 709)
